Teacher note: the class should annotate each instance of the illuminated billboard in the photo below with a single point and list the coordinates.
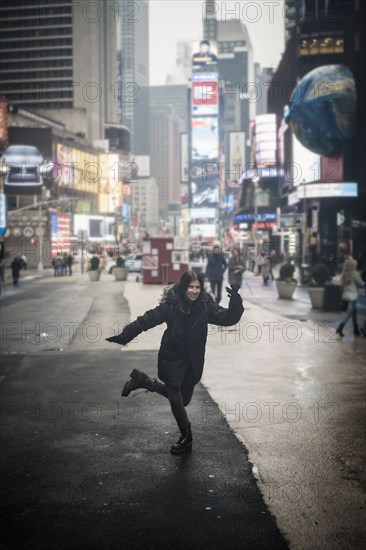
(205, 94)
(205, 139)
(237, 154)
(265, 140)
(60, 233)
(204, 180)
(204, 53)
(305, 165)
(77, 169)
(27, 161)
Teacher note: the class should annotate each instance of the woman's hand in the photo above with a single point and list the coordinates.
(233, 291)
(119, 339)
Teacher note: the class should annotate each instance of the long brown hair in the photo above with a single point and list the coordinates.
(348, 272)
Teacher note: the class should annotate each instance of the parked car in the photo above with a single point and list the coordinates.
(135, 263)
(25, 169)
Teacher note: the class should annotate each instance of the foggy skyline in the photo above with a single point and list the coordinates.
(264, 21)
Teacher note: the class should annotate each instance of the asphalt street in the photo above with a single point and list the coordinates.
(278, 458)
(83, 468)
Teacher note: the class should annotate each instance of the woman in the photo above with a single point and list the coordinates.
(236, 268)
(186, 308)
(351, 282)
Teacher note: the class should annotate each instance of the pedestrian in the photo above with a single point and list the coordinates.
(259, 263)
(69, 262)
(16, 266)
(266, 268)
(236, 268)
(313, 247)
(64, 263)
(216, 267)
(59, 264)
(273, 262)
(351, 282)
(187, 309)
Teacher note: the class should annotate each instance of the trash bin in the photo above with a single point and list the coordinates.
(304, 274)
(332, 297)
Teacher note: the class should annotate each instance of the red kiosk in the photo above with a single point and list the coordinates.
(164, 259)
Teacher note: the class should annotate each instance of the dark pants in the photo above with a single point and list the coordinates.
(179, 398)
(351, 312)
(216, 289)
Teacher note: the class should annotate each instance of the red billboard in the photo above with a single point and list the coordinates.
(205, 94)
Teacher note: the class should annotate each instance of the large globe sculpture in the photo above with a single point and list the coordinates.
(322, 110)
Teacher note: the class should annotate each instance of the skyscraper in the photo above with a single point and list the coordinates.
(165, 128)
(134, 26)
(175, 96)
(60, 59)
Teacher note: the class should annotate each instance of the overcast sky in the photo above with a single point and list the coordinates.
(173, 20)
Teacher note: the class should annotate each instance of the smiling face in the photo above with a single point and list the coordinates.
(193, 291)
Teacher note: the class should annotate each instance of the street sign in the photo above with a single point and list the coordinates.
(3, 214)
(16, 232)
(39, 231)
(28, 232)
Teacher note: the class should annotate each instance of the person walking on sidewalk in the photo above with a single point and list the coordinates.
(16, 266)
(266, 268)
(187, 309)
(351, 282)
(69, 262)
(216, 267)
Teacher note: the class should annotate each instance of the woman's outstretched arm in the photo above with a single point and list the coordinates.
(150, 319)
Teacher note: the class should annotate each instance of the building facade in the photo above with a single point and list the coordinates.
(327, 32)
(134, 70)
(165, 130)
(145, 206)
(60, 59)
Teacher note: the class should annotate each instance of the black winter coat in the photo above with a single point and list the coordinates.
(216, 267)
(184, 341)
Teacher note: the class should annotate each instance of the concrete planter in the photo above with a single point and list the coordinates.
(316, 296)
(120, 273)
(285, 290)
(94, 275)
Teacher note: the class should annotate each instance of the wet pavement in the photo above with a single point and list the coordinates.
(279, 421)
(83, 469)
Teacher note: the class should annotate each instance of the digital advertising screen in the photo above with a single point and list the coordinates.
(205, 139)
(204, 53)
(205, 94)
(204, 180)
